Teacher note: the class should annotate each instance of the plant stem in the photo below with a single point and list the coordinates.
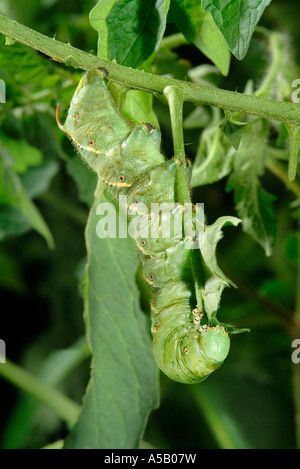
(175, 101)
(173, 41)
(277, 61)
(138, 79)
(198, 276)
(278, 54)
(74, 213)
(56, 445)
(67, 409)
(278, 311)
(294, 135)
(278, 169)
(221, 424)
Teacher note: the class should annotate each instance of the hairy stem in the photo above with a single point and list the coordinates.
(174, 97)
(198, 276)
(277, 61)
(294, 135)
(173, 41)
(284, 112)
(175, 101)
(278, 169)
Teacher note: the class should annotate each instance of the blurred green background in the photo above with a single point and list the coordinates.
(250, 401)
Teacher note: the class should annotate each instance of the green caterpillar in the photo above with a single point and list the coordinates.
(187, 346)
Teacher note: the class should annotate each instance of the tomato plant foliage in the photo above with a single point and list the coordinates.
(87, 332)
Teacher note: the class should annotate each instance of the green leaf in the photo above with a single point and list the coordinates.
(30, 211)
(295, 206)
(10, 275)
(253, 203)
(34, 78)
(12, 222)
(205, 74)
(85, 179)
(197, 119)
(199, 28)
(216, 279)
(7, 182)
(24, 154)
(139, 104)
(138, 107)
(28, 414)
(135, 30)
(123, 387)
(37, 180)
(169, 63)
(236, 19)
(12, 192)
(214, 159)
(233, 130)
(98, 17)
(226, 429)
